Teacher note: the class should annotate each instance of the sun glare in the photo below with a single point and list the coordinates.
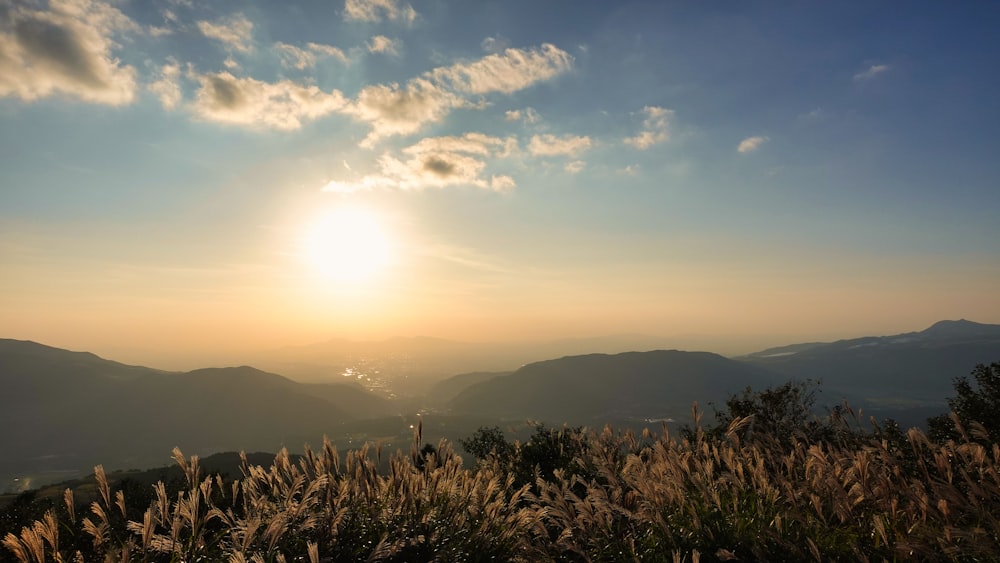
(347, 245)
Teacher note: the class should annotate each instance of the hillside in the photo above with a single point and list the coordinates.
(73, 409)
(909, 367)
(595, 388)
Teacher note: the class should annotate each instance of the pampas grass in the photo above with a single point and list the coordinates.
(653, 497)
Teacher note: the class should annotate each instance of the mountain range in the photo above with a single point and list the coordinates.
(63, 410)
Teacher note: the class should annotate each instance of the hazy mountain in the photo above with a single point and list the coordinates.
(66, 410)
(904, 368)
(409, 366)
(594, 388)
(444, 391)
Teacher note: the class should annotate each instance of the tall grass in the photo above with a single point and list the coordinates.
(651, 497)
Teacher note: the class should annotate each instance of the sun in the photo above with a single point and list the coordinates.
(347, 245)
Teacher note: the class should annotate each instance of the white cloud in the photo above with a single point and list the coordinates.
(751, 144)
(550, 145)
(377, 10)
(383, 44)
(470, 143)
(167, 87)
(393, 110)
(67, 50)
(436, 162)
(527, 115)
(654, 128)
(871, 72)
(575, 167)
(296, 57)
(507, 72)
(236, 32)
(284, 105)
(502, 183)
(630, 170)
(494, 44)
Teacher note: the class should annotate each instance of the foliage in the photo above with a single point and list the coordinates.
(975, 408)
(783, 414)
(710, 494)
(547, 450)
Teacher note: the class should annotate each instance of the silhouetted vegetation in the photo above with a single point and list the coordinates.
(770, 481)
(975, 408)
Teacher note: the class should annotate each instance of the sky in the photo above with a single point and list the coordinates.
(180, 179)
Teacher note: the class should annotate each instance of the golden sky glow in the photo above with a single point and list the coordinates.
(184, 183)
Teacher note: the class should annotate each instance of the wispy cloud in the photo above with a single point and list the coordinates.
(236, 32)
(395, 110)
(506, 72)
(67, 50)
(751, 144)
(526, 115)
(494, 44)
(437, 162)
(575, 167)
(654, 128)
(385, 45)
(225, 98)
(392, 109)
(297, 57)
(166, 87)
(871, 72)
(378, 10)
(551, 145)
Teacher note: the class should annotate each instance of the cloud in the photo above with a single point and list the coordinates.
(377, 10)
(872, 71)
(507, 72)
(392, 109)
(436, 162)
(236, 32)
(575, 167)
(630, 170)
(550, 145)
(296, 57)
(751, 144)
(811, 116)
(66, 50)
(654, 128)
(470, 143)
(166, 87)
(494, 44)
(502, 183)
(382, 44)
(527, 115)
(395, 110)
(224, 98)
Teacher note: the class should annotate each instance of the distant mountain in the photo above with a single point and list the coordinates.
(409, 366)
(903, 368)
(595, 388)
(444, 391)
(66, 410)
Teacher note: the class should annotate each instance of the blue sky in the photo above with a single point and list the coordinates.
(726, 175)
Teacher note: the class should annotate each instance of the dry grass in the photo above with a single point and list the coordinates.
(645, 498)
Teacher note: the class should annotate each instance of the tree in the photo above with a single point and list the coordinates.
(975, 402)
(547, 450)
(489, 444)
(781, 415)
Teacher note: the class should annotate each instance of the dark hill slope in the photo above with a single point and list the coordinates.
(64, 410)
(595, 388)
(915, 366)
